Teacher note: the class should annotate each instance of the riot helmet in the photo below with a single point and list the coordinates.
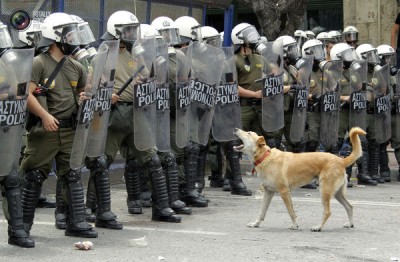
(350, 35)
(290, 49)
(30, 37)
(335, 36)
(167, 29)
(125, 26)
(343, 52)
(61, 29)
(324, 37)
(316, 48)
(386, 54)
(368, 52)
(211, 36)
(245, 34)
(301, 37)
(86, 35)
(147, 30)
(310, 34)
(189, 29)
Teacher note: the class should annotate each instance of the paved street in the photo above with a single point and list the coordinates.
(219, 232)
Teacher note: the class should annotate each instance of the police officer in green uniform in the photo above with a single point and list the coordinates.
(10, 136)
(124, 25)
(56, 126)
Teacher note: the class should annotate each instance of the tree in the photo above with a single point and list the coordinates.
(278, 17)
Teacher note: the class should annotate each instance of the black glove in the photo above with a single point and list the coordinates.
(393, 70)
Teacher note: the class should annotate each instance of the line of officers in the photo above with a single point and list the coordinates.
(165, 95)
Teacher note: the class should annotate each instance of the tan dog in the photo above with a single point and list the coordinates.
(283, 171)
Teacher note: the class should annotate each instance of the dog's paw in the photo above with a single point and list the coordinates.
(316, 229)
(294, 227)
(348, 225)
(253, 224)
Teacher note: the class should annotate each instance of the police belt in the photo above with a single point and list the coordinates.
(250, 102)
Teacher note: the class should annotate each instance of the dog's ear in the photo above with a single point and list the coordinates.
(260, 141)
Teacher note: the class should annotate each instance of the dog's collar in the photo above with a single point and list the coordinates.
(260, 160)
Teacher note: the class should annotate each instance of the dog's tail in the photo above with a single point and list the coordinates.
(356, 152)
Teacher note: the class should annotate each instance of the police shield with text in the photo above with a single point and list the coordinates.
(330, 103)
(380, 83)
(15, 70)
(358, 97)
(272, 90)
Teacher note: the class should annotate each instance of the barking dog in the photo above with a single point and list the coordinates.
(283, 171)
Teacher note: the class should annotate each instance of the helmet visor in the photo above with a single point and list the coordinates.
(5, 39)
(128, 33)
(371, 57)
(389, 59)
(293, 51)
(86, 34)
(196, 33)
(170, 36)
(249, 35)
(34, 38)
(350, 36)
(69, 34)
(214, 41)
(318, 52)
(348, 55)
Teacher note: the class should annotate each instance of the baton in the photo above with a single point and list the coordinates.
(125, 85)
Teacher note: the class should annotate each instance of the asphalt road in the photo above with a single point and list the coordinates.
(219, 232)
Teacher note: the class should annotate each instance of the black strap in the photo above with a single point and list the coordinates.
(54, 73)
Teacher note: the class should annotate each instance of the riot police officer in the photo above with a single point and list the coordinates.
(124, 25)
(56, 126)
(12, 63)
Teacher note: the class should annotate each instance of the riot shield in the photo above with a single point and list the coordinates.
(163, 100)
(227, 114)
(144, 93)
(330, 102)
(358, 96)
(207, 65)
(272, 90)
(299, 115)
(98, 128)
(183, 64)
(380, 83)
(396, 104)
(15, 73)
(86, 108)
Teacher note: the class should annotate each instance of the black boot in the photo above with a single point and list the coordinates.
(191, 195)
(145, 192)
(373, 161)
(216, 179)
(132, 182)
(16, 233)
(76, 215)
(384, 162)
(44, 202)
(160, 209)
(61, 206)
(91, 196)
(363, 177)
(233, 158)
(173, 186)
(311, 146)
(348, 173)
(105, 218)
(31, 188)
(201, 168)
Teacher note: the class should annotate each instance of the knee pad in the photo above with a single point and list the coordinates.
(97, 164)
(12, 180)
(132, 165)
(170, 159)
(154, 163)
(74, 176)
(192, 149)
(35, 176)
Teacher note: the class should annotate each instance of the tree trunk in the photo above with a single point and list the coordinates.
(278, 17)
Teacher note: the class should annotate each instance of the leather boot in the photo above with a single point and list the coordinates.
(216, 178)
(311, 146)
(362, 164)
(373, 163)
(201, 169)
(233, 157)
(170, 169)
(384, 162)
(145, 192)
(12, 198)
(104, 217)
(132, 182)
(31, 188)
(91, 198)
(161, 210)
(76, 223)
(190, 194)
(61, 207)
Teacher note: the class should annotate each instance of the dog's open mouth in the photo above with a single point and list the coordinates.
(238, 147)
